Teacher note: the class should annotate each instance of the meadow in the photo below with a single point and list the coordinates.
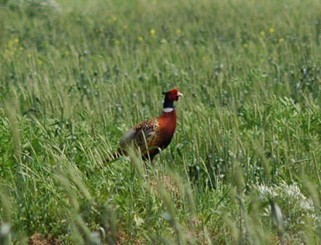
(245, 163)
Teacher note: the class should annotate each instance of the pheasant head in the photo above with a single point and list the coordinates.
(170, 97)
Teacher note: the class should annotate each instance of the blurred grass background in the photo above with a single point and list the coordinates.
(244, 166)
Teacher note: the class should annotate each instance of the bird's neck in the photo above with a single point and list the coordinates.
(168, 106)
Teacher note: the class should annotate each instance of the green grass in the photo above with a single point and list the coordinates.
(74, 77)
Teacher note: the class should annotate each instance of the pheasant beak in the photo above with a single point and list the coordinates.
(179, 94)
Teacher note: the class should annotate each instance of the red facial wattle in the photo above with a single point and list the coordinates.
(172, 95)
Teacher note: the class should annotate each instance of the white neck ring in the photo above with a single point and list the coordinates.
(166, 110)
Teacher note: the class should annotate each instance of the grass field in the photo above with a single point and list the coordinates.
(245, 163)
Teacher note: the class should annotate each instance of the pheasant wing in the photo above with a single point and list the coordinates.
(142, 135)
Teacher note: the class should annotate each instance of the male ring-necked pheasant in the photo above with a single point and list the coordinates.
(152, 136)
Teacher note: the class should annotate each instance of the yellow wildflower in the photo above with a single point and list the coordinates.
(281, 40)
(163, 41)
(271, 30)
(152, 32)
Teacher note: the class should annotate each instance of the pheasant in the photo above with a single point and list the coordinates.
(152, 136)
